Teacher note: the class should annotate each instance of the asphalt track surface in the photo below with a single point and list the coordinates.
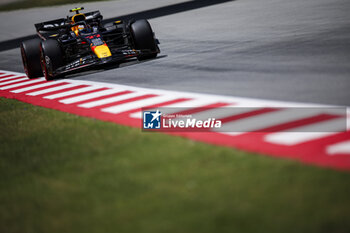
(274, 49)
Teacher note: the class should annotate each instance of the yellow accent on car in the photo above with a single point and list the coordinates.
(77, 9)
(102, 51)
(117, 22)
(78, 17)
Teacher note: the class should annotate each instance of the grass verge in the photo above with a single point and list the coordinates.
(64, 173)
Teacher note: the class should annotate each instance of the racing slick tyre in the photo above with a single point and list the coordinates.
(50, 58)
(30, 52)
(143, 38)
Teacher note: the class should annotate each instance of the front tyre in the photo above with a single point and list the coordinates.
(30, 52)
(51, 58)
(143, 38)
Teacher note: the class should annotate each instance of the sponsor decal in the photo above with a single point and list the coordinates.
(128, 52)
(78, 62)
(53, 25)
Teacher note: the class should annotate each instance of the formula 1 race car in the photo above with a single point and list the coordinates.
(81, 40)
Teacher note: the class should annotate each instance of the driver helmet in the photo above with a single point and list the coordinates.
(78, 18)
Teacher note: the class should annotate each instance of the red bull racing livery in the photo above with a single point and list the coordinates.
(82, 40)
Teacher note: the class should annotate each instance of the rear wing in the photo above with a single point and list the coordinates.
(52, 25)
(55, 25)
(92, 16)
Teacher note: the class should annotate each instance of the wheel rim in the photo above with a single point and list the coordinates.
(24, 60)
(43, 64)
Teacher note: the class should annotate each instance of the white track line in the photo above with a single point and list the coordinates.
(306, 133)
(138, 104)
(110, 100)
(192, 103)
(72, 92)
(13, 81)
(219, 113)
(90, 96)
(180, 106)
(21, 84)
(241, 110)
(62, 87)
(8, 78)
(254, 123)
(339, 148)
(35, 87)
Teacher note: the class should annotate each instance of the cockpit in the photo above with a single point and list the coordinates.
(79, 22)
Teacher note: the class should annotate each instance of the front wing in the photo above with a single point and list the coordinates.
(92, 60)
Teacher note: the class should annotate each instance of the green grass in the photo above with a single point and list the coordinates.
(24, 4)
(64, 173)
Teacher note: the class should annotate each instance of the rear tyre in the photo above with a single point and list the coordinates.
(143, 38)
(30, 52)
(51, 58)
